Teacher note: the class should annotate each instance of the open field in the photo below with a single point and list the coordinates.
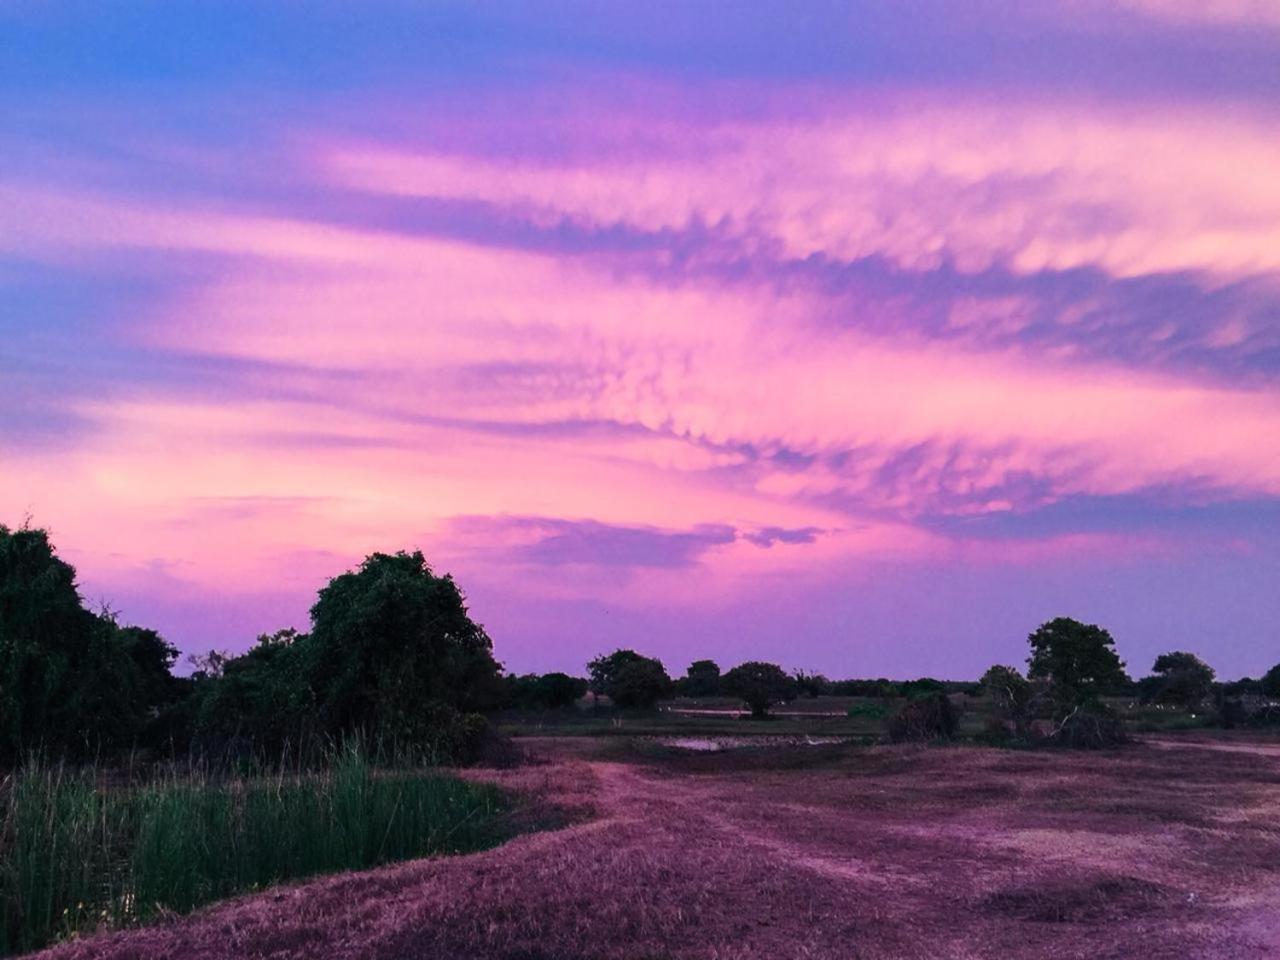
(1166, 849)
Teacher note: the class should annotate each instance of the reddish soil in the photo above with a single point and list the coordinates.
(1154, 851)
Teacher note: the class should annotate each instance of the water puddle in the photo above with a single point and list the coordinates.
(713, 744)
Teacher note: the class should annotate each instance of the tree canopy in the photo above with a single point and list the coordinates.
(1181, 678)
(629, 679)
(1079, 660)
(702, 679)
(72, 682)
(759, 685)
(389, 639)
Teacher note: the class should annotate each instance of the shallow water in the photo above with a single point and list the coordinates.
(712, 744)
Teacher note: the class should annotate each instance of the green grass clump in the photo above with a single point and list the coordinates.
(77, 854)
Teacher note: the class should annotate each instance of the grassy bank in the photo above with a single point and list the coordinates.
(77, 854)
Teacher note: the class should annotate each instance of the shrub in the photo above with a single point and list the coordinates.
(1091, 726)
(930, 717)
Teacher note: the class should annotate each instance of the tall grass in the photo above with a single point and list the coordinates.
(77, 854)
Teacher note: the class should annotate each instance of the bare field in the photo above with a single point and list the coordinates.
(1159, 850)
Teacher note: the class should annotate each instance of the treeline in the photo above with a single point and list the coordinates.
(392, 658)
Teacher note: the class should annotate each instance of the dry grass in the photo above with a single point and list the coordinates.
(898, 852)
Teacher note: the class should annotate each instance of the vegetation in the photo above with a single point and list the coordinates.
(1270, 685)
(72, 682)
(702, 679)
(1078, 660)
(759, 686)
(629, 679)
(1179, 678)
(550, 691)
(927, 717)
(78, 855)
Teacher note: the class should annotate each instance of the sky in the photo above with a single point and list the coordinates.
(859, 337)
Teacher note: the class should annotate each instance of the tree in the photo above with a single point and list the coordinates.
(391, 644)
(759, 685)
(1181, 678)
(811, 684)
(1271, 683)
(640, 684)
(1079, 660)
(550, 691)
(702, 679)
(1011, 693)
(72, 682)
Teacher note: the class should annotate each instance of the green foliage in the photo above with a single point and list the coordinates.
(702, 679)
(1089, 726)
(811, 684)
(759, 685)
(549, 691)
(927, 717)
(1078, 660)
(1181, 679)
(872, 711)
(72, 682)
(629, 679)
(77, 855)
(1013, 696)
(387, 640)
(1271, 683)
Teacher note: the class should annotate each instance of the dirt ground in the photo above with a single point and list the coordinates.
(1166, 849)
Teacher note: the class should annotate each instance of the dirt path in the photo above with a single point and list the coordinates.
(881, 853)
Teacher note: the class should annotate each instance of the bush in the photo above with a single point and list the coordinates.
(929, 717)
(1091, 726)
(550, 691)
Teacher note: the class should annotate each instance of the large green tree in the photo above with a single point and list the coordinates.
(759, 685)
(72, 682)
(391, 646)
(1079, 660)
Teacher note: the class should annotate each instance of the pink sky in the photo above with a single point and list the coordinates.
(784, 339)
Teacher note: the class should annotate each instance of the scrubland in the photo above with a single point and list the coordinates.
(1161, 849)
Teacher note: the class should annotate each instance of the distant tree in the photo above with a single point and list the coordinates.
(759, 685)
(1079, 661)
(811, 684)
(391, 649)
(549, 691)
(629, 679)
(1270, 683)
(640, 684)
(602, 671)
(702, 679)
(1181, 678)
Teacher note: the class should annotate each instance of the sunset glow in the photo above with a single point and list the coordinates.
(676, 327)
